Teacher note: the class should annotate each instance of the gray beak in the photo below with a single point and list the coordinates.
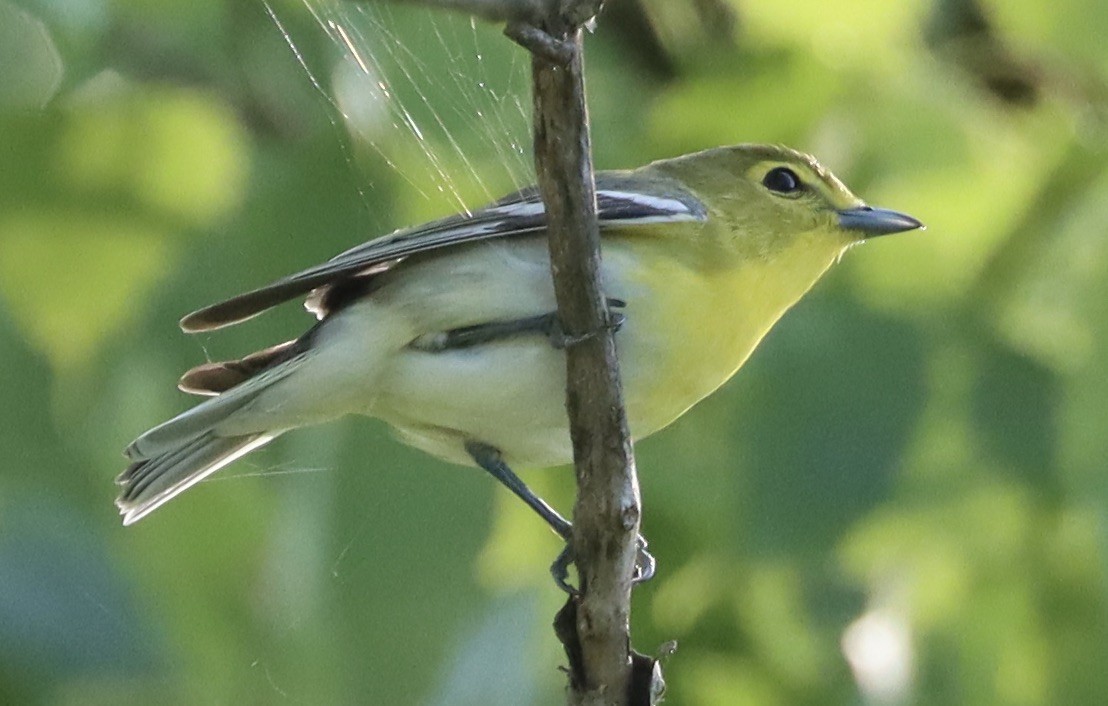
(871, 222)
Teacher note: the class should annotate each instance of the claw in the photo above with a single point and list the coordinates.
(645, 566)
(560, 571)
(645, 563)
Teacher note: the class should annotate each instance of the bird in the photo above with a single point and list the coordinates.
(448, 331)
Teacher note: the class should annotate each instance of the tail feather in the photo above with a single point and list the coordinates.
(179, 453)
(150, 483)
(194, 422)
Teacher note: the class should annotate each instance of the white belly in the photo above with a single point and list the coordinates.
(510, 394)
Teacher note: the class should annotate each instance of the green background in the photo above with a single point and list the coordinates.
(910, 472)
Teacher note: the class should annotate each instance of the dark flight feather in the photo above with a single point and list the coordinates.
(518, 214)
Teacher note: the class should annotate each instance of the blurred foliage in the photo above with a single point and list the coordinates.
(901, 499)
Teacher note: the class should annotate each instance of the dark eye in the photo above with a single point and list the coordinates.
(782, 180)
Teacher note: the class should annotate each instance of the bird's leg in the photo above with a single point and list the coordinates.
(545, 324)
(489, 458)
(480, 334)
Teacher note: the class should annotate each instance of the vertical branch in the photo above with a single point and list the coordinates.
(594, 626)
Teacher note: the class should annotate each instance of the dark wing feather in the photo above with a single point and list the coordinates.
(621, 201)
(214, 378)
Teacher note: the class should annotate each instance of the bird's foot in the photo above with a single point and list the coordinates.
(645, 565)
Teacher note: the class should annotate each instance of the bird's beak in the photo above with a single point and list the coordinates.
(871, 222)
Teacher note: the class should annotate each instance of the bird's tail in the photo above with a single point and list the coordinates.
(150, 482)
(176, 455)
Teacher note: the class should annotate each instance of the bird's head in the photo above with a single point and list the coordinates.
(771, 198)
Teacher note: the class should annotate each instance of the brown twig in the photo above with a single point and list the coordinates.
(493, 10)
(595, 625)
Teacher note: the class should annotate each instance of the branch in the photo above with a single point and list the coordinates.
(529, 11)
(594, 626)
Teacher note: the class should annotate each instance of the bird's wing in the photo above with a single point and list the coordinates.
(621, 201)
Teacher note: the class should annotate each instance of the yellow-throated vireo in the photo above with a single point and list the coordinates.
(448, 331)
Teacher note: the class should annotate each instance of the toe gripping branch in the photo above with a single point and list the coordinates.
(645, 565)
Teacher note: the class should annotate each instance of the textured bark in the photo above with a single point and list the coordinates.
(492, 10)
(594, 626)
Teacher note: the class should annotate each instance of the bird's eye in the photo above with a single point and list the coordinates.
(782, 180)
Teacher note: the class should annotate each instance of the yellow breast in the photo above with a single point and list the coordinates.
(689, 328)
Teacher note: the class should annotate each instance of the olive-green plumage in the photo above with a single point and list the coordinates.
(442, 330)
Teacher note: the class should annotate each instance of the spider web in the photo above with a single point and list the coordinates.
(437, 97)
